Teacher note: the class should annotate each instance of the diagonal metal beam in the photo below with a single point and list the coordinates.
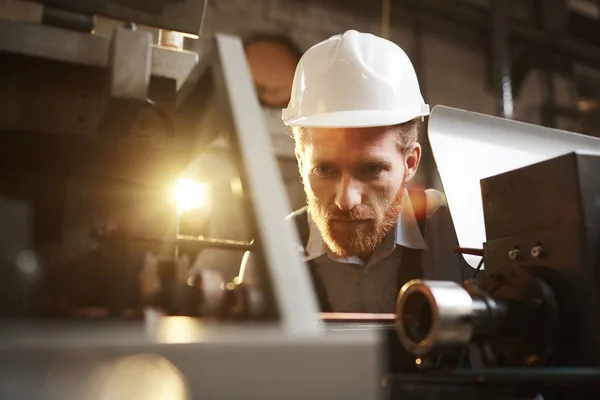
(289, 279)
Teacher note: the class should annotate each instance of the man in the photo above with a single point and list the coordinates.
(355, 114)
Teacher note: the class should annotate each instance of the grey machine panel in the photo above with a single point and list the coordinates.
(469, 146)
(182, 359)
(294, 357)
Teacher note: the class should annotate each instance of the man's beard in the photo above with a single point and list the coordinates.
(360, 240)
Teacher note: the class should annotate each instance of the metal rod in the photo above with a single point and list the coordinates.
(469, 250)
(358, 321)
(357, 317)
(201, 242)
(501, 60)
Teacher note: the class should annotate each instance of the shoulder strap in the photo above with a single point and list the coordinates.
(418, 198)
(301, 220)
(411, 267)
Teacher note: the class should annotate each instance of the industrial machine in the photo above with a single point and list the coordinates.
(527, 322)
(106, 103)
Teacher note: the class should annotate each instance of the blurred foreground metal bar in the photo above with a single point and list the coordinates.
(358, 321)
(201, 242)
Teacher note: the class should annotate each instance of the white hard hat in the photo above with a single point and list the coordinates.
(354, 80)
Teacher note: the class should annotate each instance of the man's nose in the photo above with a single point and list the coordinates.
(348, 194)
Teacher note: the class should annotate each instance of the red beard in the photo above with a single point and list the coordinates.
(362, 239)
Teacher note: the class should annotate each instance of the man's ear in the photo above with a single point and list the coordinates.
(411, 161)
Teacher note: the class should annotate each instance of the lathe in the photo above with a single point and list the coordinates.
(96, 297)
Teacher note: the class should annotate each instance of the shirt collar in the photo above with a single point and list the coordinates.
(406, 232)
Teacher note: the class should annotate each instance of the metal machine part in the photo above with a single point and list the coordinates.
(185, 358)
(54, 43)
(68, 19)
(529, 322)
(206, 92)
(130, 56)
(517, 324)
(210, 94)
(536, 303)
(433, 315)
(493, 146)
(177, 15)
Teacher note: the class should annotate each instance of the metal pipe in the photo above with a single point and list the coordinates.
(501, 60)
(385, 18)
(427, 162)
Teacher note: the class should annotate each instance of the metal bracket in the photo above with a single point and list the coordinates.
(130, 63)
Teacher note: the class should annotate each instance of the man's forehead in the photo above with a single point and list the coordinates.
(353, 135)
(350, 142)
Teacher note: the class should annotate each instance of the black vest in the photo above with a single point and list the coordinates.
(411, 258)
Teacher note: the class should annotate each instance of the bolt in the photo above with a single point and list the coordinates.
(514, 254)
(537, 251)
(131, 26)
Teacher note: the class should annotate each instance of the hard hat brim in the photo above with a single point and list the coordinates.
(356, 119)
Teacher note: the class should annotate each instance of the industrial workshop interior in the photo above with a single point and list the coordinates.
(300, 199)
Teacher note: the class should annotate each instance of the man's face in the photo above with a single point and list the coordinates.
(354, 181)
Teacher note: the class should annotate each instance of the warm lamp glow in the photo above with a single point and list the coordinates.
(190, 194)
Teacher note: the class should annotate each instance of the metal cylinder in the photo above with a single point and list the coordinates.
(68, 20)
(431, 315)
(171, 39)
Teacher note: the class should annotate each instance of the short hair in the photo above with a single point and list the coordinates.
(407, 134)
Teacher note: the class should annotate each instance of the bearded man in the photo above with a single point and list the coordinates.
(355, 114)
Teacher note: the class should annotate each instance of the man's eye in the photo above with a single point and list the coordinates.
(323, 170)
(372, 169)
